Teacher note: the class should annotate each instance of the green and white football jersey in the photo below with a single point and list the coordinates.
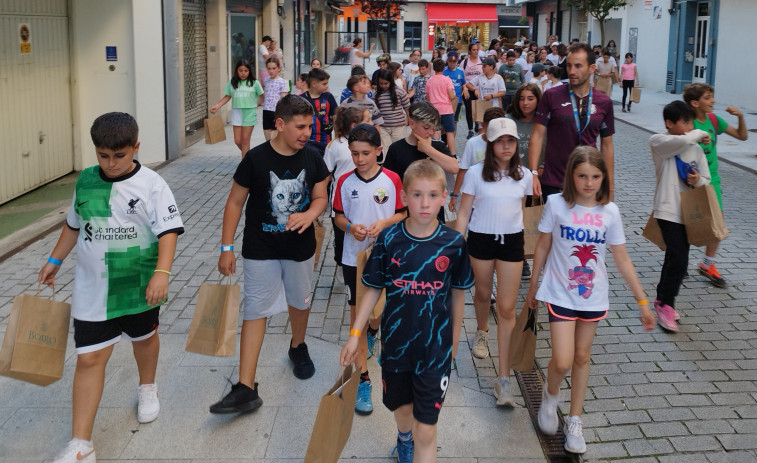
(119, 222)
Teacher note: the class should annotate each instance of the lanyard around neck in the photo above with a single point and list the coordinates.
(577, 120)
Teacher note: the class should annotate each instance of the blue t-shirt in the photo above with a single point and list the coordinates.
(458, 80)
(417, 273)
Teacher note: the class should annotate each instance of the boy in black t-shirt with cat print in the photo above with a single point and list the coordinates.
(284, 184)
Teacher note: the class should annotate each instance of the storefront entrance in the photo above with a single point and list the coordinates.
(459, 25)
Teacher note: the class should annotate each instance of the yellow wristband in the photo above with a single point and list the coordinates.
(643, 302)
(162, 271)
(354, 332)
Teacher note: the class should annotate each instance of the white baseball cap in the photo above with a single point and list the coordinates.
(518, 44)
(499, 127)
(554, 44)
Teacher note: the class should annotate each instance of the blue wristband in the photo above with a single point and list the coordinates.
(227, 247)
(348, 227)
(55, 261)
(453, 195)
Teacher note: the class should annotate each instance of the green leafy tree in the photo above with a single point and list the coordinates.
(385, 11)
(599, 9)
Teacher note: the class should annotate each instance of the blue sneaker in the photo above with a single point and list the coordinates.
(404, 451)
(371, 342)
(363, 404)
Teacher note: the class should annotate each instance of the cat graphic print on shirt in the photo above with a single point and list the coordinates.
(287, 196)
(279, 186)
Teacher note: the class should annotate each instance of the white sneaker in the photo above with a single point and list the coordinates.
(77, 451)
(149, 406)
(502, 392)
(548, 419)
(574, 435)
(481, 344)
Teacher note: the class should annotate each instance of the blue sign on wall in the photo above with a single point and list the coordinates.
(111, 54)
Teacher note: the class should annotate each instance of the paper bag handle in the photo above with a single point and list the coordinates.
(40, 288)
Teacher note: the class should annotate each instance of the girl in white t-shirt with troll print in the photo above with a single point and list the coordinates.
(492, 196)
(576, 228)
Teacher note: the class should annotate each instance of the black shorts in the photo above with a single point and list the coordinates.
(350, 282)
(93, 336)
(269, 122)
(507, 248)
(425, 391)
(561, 314)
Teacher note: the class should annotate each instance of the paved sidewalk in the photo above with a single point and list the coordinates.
(35, 421)
(647, 115)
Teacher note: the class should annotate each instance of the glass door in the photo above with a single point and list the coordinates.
(701, 42)
(242, 40)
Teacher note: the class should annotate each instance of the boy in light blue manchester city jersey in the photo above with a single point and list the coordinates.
(424, 268)
(124, 222)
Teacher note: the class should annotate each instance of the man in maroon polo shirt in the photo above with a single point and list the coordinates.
(568, 116)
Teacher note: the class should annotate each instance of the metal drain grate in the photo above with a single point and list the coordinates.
(531, 384)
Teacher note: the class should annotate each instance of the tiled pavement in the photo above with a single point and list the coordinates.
(690, 396)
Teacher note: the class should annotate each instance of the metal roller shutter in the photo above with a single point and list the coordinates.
(195, 63)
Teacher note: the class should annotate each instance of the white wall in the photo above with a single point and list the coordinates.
(652, 46)
(134, 86)
(734, 67)
(148, 72)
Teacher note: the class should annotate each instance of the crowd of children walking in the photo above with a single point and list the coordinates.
(381, 154)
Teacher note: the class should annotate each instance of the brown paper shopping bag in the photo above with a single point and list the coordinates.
(523, 340)
(34, 347)
(214, 130)
(362, 259)
(213, 330)
(320, 233)
(478, 107)
(333, 423)
(702, 216)
(635, 95)
(604, 85)
(531, 219)
(653, 233)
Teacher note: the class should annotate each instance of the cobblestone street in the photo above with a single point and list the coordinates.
(688, 397)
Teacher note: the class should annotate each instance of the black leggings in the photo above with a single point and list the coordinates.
(676, 260)
(469, 110)
(627, 86)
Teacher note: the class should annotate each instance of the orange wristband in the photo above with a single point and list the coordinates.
(354, 332)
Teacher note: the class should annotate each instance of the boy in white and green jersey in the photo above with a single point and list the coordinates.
(125, 222)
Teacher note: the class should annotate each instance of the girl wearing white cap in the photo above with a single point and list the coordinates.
(492, 197)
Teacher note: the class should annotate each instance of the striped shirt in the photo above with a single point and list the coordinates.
(393, 117)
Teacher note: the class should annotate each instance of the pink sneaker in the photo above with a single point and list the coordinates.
(676, 315)
(665, 316)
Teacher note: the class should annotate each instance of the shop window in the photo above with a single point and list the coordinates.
(380, 26)
(413, 35)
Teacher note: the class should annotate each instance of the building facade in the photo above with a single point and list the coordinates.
(64, 62)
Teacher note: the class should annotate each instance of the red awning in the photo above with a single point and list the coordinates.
(456, 13)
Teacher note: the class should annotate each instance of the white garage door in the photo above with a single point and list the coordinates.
(35, 95)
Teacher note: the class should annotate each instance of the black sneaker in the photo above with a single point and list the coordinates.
(241, 398)
(526, 273)
(303, 366)
(471, 134)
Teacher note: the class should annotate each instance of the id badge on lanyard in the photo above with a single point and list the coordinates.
(576, 118)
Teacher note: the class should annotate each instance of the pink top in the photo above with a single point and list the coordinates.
(436, 91)
(627, 71)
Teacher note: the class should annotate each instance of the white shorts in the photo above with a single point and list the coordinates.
(272, 285)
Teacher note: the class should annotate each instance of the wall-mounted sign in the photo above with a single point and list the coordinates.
(111, 54)
(24, 39)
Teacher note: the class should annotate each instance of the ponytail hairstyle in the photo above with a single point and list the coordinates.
(345, 118)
